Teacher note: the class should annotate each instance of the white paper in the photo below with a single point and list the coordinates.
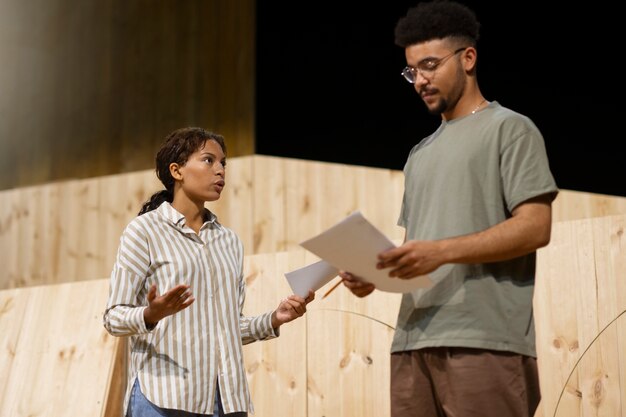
(311, 277)
(353, 245)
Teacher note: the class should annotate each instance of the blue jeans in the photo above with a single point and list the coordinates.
(139, 406)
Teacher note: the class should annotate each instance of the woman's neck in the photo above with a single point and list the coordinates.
(193, 212)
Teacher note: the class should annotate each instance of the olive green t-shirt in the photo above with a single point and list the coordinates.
(466, 177)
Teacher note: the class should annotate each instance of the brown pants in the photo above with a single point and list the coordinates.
(463, 382)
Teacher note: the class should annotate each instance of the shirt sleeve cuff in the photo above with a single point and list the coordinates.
(140, 323)
(268, 330)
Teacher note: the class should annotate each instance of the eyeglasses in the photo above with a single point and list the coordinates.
(427, 67)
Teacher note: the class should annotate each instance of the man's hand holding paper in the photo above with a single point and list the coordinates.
(354, 245)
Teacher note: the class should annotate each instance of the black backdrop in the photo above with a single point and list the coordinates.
(329, 85)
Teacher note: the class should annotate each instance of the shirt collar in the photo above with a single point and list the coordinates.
(177, 219)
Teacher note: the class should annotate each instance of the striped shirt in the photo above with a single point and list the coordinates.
(179, 362)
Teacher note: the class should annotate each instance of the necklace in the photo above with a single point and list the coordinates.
(478, 107)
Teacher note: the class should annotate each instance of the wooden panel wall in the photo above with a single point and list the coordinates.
(332, 362)
(69, 231)
(91, 88)
(56, 359)
(573, 205)
(580, 305)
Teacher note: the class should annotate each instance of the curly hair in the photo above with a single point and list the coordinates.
(438, 19)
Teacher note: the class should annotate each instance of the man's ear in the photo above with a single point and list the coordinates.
(175, 171)
(469, 59)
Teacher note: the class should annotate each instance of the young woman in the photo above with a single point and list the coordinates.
(177, 289)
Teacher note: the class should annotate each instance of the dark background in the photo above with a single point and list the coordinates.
(329, 85)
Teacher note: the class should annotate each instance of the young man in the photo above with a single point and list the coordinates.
(476, 207)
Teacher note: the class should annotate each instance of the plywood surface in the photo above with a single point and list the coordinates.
(581, 327)
(334, 361)
(56, 357)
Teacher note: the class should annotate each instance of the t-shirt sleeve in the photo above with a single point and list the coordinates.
(525, 168)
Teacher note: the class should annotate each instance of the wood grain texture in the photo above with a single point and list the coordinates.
(57, 358)
(573, 205)
(69, 231)
(581, 324)
(277, 368)
(334, 361)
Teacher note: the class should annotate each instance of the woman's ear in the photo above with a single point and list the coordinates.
(175, 171)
